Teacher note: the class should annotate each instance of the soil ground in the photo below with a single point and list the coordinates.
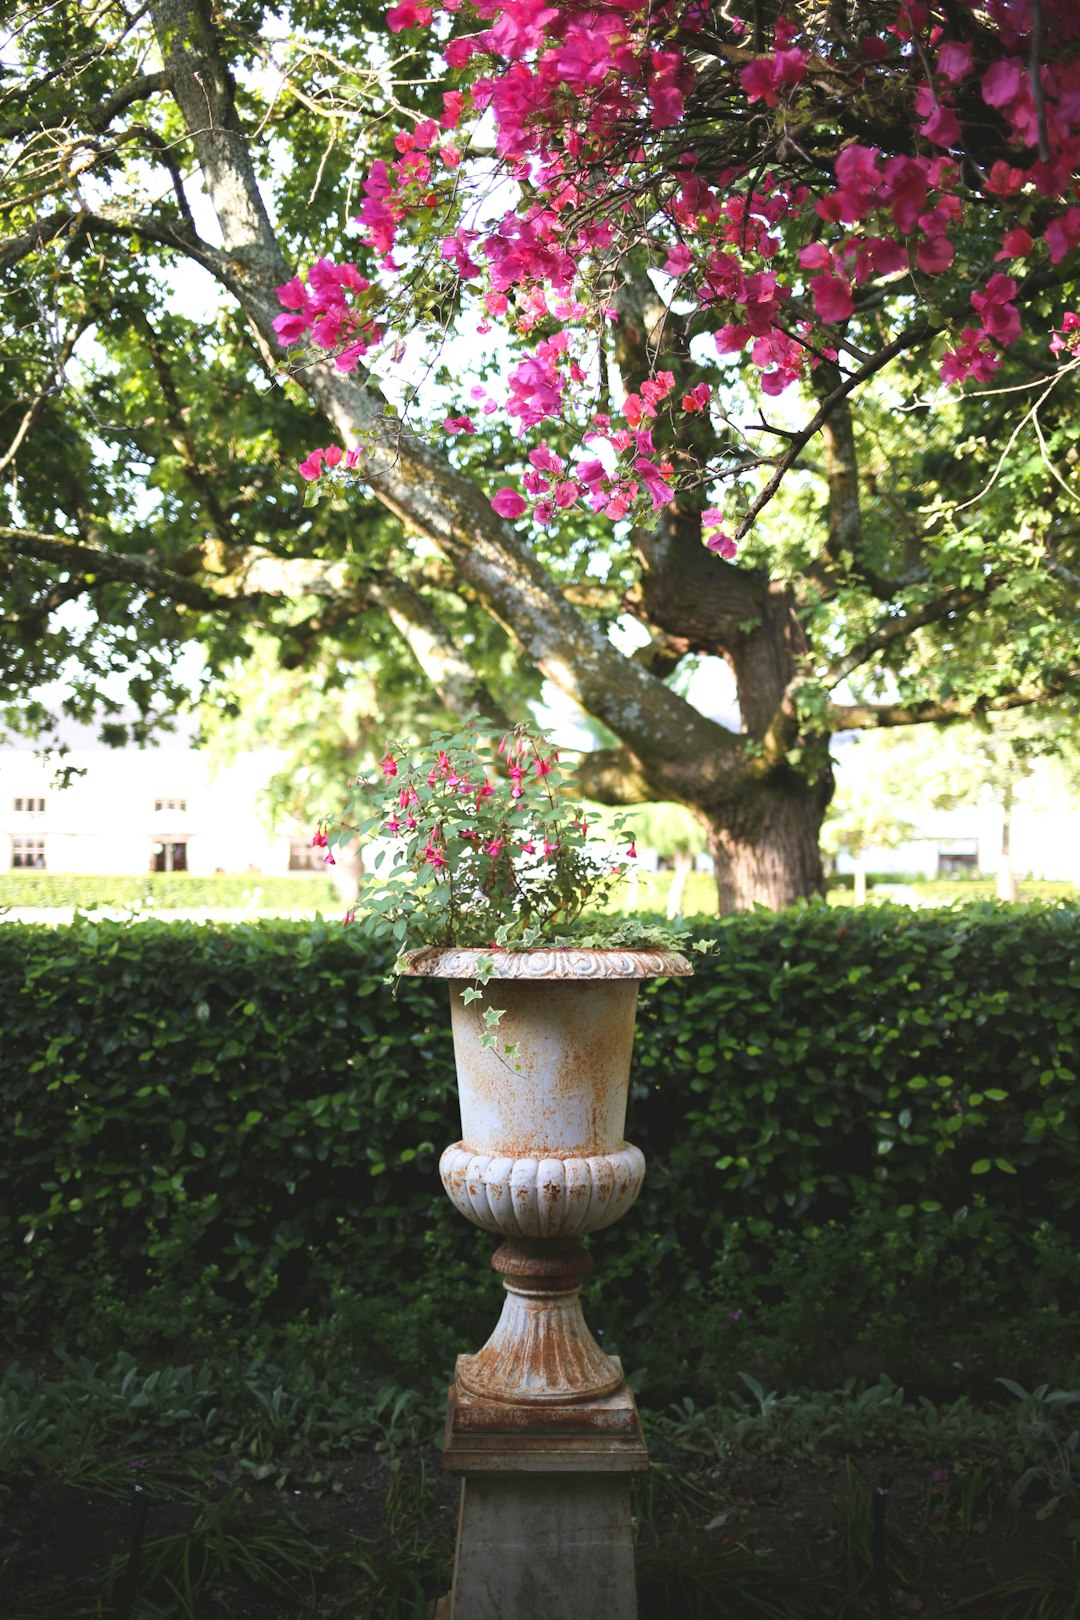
(956, 1545)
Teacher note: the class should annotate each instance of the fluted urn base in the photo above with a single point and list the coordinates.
(541, 1351)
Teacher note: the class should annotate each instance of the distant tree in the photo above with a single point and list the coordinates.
(997, 756)
(873, 807)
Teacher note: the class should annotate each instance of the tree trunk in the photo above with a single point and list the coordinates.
(1007, 887)
(684, 865)
(765, 848)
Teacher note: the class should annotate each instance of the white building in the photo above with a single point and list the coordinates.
(167, 808)
(1044, 836)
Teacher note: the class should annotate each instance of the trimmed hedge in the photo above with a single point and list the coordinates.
(248, 1112)
(167, 891)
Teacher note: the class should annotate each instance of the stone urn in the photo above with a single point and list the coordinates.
(543, 1157)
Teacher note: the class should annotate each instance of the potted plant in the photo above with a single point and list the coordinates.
(487, 875)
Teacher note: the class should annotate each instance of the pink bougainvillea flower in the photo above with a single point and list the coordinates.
(508, 503)
(407, 15)
(1063, 234)
(1060, 341)
(1015, 244)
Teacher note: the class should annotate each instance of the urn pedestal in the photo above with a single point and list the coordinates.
(540, 1425)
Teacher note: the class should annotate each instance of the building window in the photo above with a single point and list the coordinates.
(176, 805)
(303, 857)
(960, 859)
(31, 806)
(169, 857)
(28, 852)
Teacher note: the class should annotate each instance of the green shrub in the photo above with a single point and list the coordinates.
(245, 1121)
(167, 891)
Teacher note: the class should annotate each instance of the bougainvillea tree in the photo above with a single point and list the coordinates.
(754, 329)
(778, 182)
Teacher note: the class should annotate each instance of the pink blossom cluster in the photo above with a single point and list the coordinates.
(324, 313)
(564, 83)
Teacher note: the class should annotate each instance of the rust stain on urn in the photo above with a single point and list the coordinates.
(564, 1091)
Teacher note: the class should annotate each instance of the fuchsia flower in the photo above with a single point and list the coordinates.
(388, 766)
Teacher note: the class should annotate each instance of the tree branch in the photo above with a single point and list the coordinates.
(896, 629)
(94, 565)
(98, 116)
(876, 716)
(920, 331)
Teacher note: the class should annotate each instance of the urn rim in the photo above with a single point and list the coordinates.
(551, 962)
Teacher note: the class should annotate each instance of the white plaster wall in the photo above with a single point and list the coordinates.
(105, 821)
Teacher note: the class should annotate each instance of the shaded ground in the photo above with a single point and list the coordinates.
(745, 1537)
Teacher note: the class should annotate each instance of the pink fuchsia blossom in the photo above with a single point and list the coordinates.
(388, 766)
(508, 503)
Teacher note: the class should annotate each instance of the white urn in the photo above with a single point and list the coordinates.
(543, 1157)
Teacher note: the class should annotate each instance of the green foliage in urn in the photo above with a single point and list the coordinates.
(478, 842)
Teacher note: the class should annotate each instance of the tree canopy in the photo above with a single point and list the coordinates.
(687, 375)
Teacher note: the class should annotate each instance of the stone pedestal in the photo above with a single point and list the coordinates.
(542, 1431)
(544, 1526)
